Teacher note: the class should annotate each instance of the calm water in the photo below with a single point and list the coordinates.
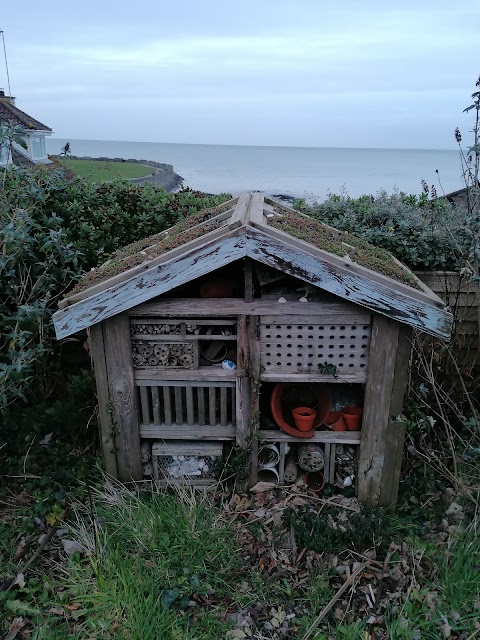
(294, 171)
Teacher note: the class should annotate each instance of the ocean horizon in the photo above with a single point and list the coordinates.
(295, 172)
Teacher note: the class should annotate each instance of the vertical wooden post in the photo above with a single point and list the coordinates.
(121, 383)
(107, 438)
(254, 375)
(376, 415)
(242, 390)
(397, 424)
(248, 280)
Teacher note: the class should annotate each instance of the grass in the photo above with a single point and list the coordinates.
(103, 171)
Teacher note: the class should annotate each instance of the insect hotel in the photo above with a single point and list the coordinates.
(252, 326)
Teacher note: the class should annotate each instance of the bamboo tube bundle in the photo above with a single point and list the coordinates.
(311, 457)
(291, 467)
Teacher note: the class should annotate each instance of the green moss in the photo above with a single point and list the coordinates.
(343, 245)
(131, 256)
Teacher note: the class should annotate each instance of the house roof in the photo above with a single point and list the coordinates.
(10, 113)
(20, 159)
(260, 228)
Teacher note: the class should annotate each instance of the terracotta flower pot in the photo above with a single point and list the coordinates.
(335, 421)
(315, 481)
(353, 417)
(304, 418)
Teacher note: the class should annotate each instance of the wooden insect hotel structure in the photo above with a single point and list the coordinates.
(217, 331)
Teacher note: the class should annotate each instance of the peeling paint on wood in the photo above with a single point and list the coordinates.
(150, 284)
(352, 286)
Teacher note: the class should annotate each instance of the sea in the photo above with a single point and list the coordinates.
(292, 172)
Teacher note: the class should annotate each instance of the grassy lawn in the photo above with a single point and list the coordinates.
(101, 171)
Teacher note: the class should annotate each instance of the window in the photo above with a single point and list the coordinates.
(37, 145)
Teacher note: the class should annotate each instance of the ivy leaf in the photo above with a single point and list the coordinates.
(168, 597)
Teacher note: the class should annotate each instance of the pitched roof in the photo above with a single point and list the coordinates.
(260, 228)
(20, 159)
(10, 113)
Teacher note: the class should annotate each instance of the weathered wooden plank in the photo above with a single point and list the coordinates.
(178, 405)
(376, 417)
(187, 449)
(182, 339)
(353, 267)
(145, 405)
(187, 432)
(201, 405)
(118, 356)
(254, 365)
(208, 307)
(349, 283)
(152, 282)
(223, 406)
(255, 209)
(212, 409)
(167, 405)
(339, 378)
(205, 376)
(103, 398)
(358, 317)
(240, 210)
(248, 281)
(120, 277)
(189, 403)
(326, 469)
(396, 428)
(156, 404)
(242, 410)
(333, 461)
(338, 437)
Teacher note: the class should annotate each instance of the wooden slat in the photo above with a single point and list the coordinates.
(281, 462)
(353, 318)
(254, 366)
(189, 265)
(118, 355)
(167, 405)
(223, 406)
(187, 432)
(189, 403)
(399, 303)
(333, 461)
(156, 404)
(212, 410)
(255, 209)
(145, 405)
(240, 210)
(182, 339)
(206, 376)
(339, 378)
(103, 398)
(338, 437)
(201, 405)
(376, 417)
(178, 405)
(187, 448)
(326, 468)
(201, 307)
(397, 424)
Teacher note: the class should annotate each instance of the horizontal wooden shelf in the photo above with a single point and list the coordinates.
(332, 437)
(160, 376)
(191, 307)
(355, 378)
(187, 432)
(190, 337)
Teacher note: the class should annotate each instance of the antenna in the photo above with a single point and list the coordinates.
(6, 62)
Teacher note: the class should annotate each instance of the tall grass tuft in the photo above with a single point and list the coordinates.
(154, 566)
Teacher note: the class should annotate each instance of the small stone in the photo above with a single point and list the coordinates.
(70, 546)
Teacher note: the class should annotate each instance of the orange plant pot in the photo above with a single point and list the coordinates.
(353, 417)
(315, 481)
(335, 421)
(304, 418)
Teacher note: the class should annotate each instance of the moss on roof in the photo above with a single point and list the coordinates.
(132, 256)
(342, 244)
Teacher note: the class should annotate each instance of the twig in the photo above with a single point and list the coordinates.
(336, 597)
(391, 551)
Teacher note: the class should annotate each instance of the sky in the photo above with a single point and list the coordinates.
(316, 73)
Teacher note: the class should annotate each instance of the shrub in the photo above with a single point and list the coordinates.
(422, 234)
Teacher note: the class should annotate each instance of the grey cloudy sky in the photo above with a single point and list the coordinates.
(261, 72)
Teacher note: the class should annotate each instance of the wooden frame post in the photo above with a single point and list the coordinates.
(397, 424)
(121, 383)
(107, 437)
(377, 408)
(254, 375)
